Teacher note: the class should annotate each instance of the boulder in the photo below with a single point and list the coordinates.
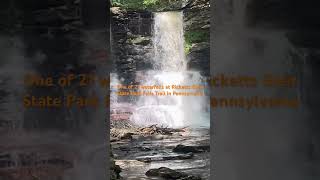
(140, 40)
(126, 136)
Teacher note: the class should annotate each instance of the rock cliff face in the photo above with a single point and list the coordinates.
(131, 41)
(132, 38)
(197, 32)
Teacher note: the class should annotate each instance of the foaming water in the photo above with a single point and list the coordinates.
(170, 68)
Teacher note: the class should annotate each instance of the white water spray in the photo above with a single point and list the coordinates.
(168, 42)
(169, 69)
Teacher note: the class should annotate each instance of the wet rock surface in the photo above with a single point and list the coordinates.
(164, 158)
(115, 170)
(199, 57)
(197, 26)
(158, 156)
(132, 38)
(131, 41)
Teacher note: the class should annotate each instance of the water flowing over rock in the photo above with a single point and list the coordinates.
(168, 42)
(169, 67)
(152, 58)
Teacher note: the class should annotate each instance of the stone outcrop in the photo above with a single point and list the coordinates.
(199, 58)
(115, 170)
(131, 41)
(197, 29)
(170, 174)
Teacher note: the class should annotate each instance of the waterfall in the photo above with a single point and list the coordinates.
(168, 42)
(169, 68)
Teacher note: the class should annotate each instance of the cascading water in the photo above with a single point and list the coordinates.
(168, 42)
(170, 68)
(153, 105)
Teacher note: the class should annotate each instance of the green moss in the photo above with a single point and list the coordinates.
(192, 37)
(187, 47)
(196, 36)
(128, 4)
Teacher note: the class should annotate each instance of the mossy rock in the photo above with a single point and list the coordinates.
(195, 37)
(140, 40)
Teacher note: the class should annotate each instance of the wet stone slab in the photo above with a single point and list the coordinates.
(137, 156)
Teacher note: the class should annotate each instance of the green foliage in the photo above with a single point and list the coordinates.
(128, 4)
(116, 3)
(196, 36)
(191, 37)
(146, 4)
(187, 47)
(149, 3)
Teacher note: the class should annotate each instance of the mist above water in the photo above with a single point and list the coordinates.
(170, 68)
